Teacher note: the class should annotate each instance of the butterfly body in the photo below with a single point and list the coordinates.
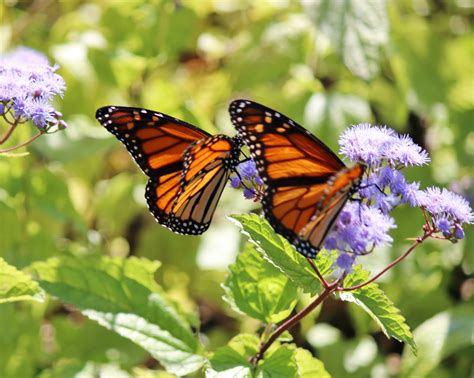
(306, 184)
(186, 166)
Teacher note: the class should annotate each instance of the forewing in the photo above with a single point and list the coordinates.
(155, 140)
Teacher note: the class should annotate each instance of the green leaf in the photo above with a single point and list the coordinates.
(281, 254)
(278, 362)
(334, 111)
(17, 286)
(374, 301)
(356, 29)
(308, 366)
(232, 360)
(439, 337)
(121, 295)
(21, 344)
(258, 289)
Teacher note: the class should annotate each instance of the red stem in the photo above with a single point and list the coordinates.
(391, 265)
(290, 322)
(23, 143)
(316, 270)
(8, 133)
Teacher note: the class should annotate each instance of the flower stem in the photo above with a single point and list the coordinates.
(33, 138)
(9, 132)
(290, 322)
(417, 242)
(318, 273)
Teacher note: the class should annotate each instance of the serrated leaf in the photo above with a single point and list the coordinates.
(357, 30)
(17, 286)
(380, 308)
(437, 338)
(255, 287)
(309, 366)
(281, 254)
(121, 295)
(279, 362)
(232, 360)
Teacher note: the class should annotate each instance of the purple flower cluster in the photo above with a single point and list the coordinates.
(375, 145)
(361, 227)
(28, 84)
(448, 211)
(358, 230)
(248, 178)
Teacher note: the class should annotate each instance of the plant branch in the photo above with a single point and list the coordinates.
(9, 132)
(417, 242)
(290, 322)
(318, 273)
(33, 138)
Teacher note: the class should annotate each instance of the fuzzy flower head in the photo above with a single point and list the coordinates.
(248, 178)
(374, 144)
(448, 210)
(358, 230)
(28, 84)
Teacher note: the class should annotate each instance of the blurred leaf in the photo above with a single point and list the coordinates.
(48, 197)
(380, 308)
(281, 254)
(20, 344)
(80, 339)
(334, 112)
(438, 338)
(232, 360)
(122, 296)
(64, 368)
(309, 366)
(278, 362)
(115, 205)
(419, 67)
(258, 289)
(17, 286)
(73, 369)
(357, 30)
(11, 230)
(84, 139)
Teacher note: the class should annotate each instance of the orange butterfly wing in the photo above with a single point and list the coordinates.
(207, 167)
(156, 142)
(303, 195)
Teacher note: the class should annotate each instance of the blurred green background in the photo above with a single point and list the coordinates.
(326, 64)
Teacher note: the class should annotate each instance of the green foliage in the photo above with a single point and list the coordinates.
(77, 194)
(357, 31)
(16, 285)
(308, 366)
(380, 308)
(258, 289)
(233, 359)
(281, 254)
(122, 296)
(439, 337)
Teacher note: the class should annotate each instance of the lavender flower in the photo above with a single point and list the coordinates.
(248, 178)
(358, 229)
(361, 227)
(28, 84)
(374, 144)
(447, 209)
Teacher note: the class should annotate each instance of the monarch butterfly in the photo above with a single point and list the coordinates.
(306, 184)
(186, 166)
